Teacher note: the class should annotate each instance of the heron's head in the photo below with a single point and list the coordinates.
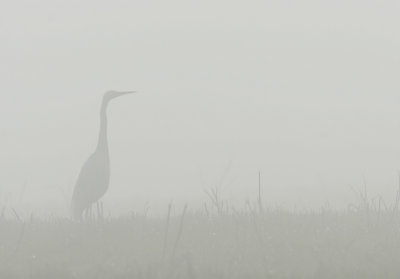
(112, 94)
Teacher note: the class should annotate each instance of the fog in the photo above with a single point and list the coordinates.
(306, 92)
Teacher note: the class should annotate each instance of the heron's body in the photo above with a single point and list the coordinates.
(94, 178)
(92, 184)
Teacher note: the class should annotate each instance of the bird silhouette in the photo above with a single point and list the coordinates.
(94, 177)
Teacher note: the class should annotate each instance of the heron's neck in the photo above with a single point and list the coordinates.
(103, 139)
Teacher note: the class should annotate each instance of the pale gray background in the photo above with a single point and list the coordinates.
(305, 91)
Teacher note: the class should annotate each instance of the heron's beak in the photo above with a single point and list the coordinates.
(126, 92)
(122, 93)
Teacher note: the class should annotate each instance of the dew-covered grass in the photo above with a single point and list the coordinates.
(274, 243)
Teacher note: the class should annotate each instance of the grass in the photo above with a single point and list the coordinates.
(362, 242)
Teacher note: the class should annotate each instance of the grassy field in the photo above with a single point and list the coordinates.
(362, 242)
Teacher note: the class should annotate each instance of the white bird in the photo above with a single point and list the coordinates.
(94, 178)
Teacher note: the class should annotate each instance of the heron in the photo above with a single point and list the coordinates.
(94, 178)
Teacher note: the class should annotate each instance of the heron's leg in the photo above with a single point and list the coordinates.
(91, 212)
(98, 210)
(86, 214)
(101, 211)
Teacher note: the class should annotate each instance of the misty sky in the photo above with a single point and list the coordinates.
(305, 91)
